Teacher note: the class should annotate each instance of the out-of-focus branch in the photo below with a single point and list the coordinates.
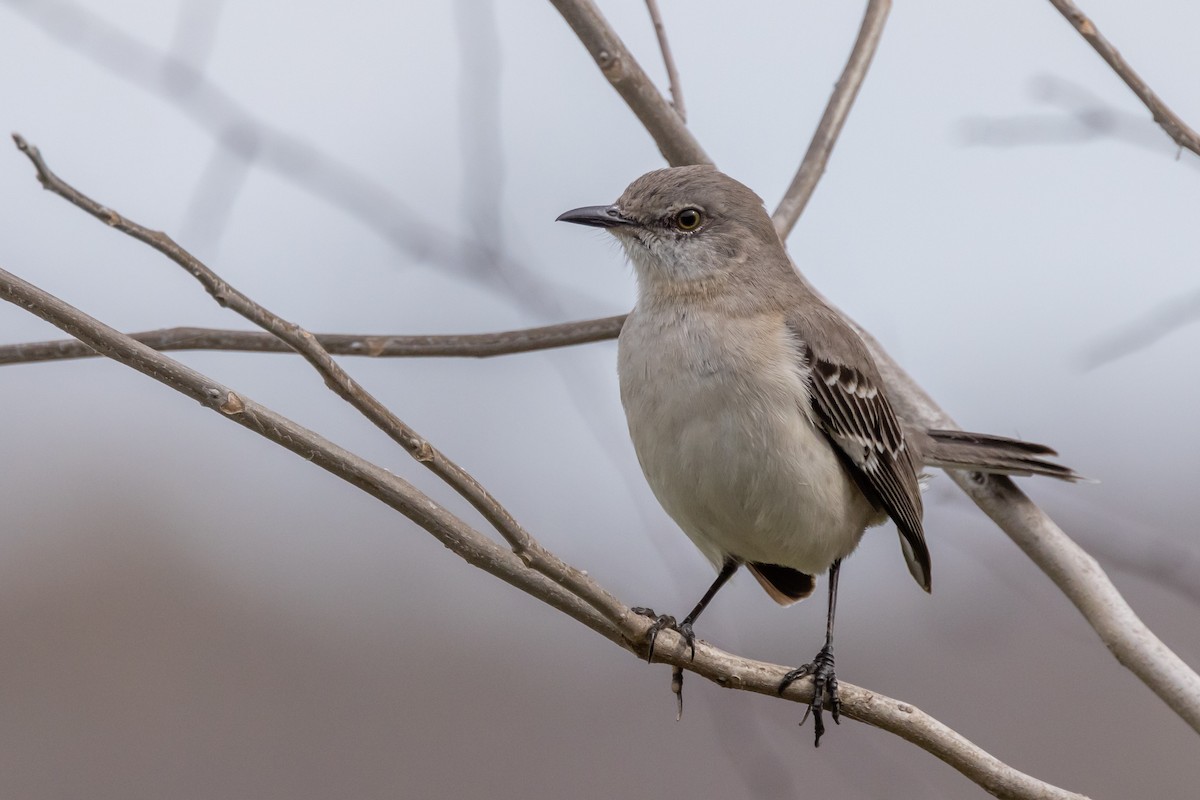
(812, 167)
(1080, 116)
(1175, 127)
(325, 176)
(473, 345)
(674, 140)
(660, 30)
(1164, 319)
(340, 382)
(621, 626)
(480, 127)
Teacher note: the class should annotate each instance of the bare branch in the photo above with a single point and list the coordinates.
(338, 380)
(473, 345)
(1175, 127)
(622, 626)
(1060, 558)
(813, 166)
(1075, 573)
(676, 86)
(464, 541)
(1087, 586)
(674, 140)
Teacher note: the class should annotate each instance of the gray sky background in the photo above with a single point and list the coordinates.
(189, 611)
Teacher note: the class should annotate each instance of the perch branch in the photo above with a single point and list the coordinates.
(623, 628)
(1063, 561)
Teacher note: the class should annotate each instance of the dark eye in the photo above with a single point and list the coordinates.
(689, 219)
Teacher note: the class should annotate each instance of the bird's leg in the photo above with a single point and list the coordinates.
(684, 628)
(821, 668)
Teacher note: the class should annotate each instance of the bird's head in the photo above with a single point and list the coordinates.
(687, 227)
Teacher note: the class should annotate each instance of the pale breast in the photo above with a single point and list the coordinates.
(719, 418)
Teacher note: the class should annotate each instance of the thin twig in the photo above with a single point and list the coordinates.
(817, 157)
(338, 380)
(674, 140)
(1175, 127)
(472, 345)
(676, 86)
(710, 662)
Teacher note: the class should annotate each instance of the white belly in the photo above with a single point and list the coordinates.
(724, 437)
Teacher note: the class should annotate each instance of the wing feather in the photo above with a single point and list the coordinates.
(854, 413)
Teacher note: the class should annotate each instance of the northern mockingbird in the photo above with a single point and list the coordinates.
(757, 413)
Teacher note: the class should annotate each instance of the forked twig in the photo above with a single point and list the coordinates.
(677, 144)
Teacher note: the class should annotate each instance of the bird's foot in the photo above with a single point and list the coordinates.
(821, 670)
(661, 621)
(684, 629)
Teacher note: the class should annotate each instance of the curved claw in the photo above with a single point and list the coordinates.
(689, 636)
(661, 621)
(824, 680)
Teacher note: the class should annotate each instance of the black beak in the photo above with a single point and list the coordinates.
(595, 216)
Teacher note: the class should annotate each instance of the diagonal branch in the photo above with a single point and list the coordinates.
(813, 166)
(1064, 562)
(1151, 326)
(674, 140)
(399, 494)
(1075, 572)
(1168, 120)
(476, 345)
(338, 380)
(723, 668)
